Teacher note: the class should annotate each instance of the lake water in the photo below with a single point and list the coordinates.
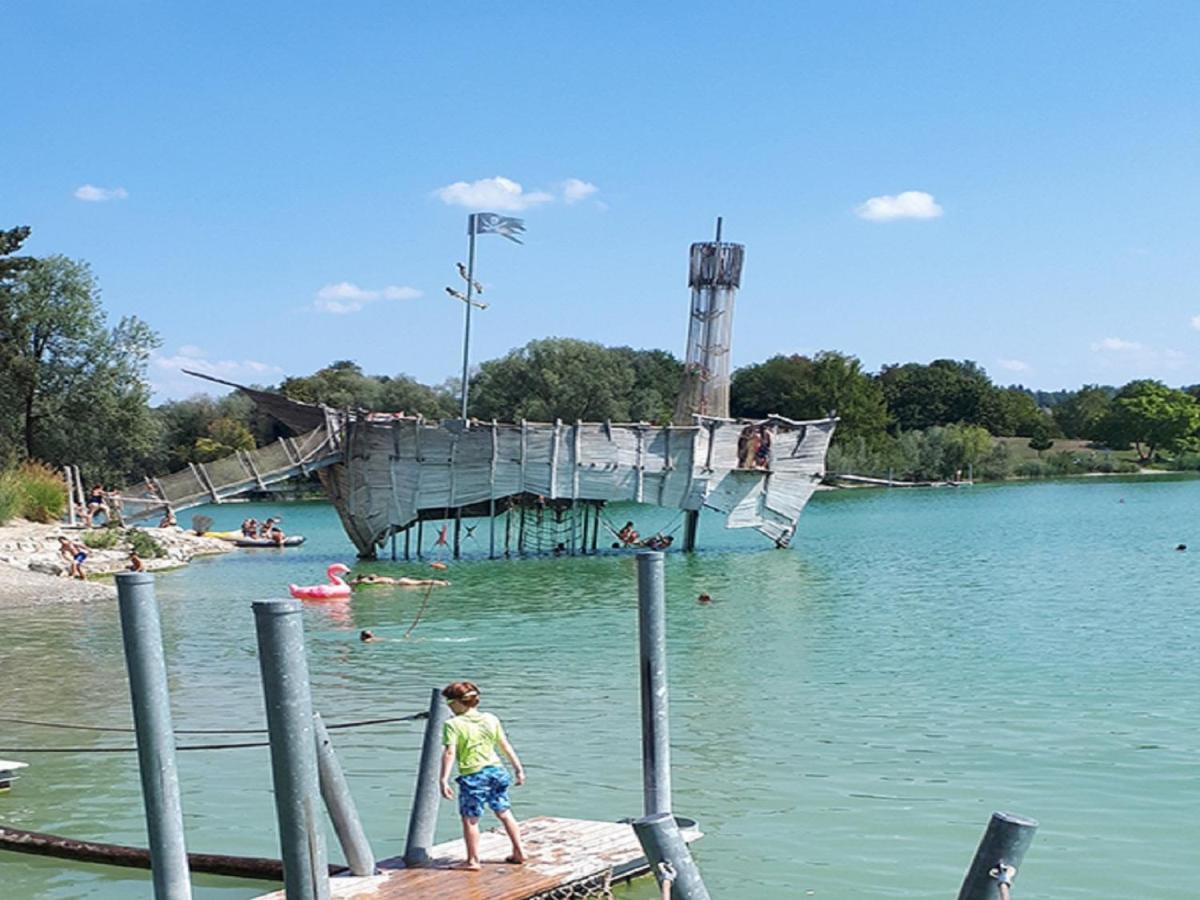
(845, 715)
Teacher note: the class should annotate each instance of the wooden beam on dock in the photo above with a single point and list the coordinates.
(560, 852)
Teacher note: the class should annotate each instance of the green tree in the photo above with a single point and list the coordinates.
(555, 378)
(343, 385)
(1040, 439)
(944, 392)
(76, 389)
(802, 388)
(224, 436)
(1152, 417)
(1083, 414)
(1012, 411)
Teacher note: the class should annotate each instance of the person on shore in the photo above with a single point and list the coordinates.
(762, 450)
(471, 737)
(75, 554)
(96, 505)
(136, 564)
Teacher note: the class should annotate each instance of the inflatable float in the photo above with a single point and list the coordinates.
(294, 541)
(337, 589)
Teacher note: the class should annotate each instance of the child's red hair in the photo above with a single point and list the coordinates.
(465, 692)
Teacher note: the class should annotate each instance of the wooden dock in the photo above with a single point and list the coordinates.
(561, 853)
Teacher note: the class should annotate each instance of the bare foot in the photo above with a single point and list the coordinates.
(515, 859)
(467, 866)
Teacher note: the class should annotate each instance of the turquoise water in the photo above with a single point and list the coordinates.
(845, 715)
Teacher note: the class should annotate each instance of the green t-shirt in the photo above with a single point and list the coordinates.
(474, 736)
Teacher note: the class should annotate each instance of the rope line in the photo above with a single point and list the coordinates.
(225, 746)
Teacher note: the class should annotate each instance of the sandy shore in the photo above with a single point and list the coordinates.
(33, 573)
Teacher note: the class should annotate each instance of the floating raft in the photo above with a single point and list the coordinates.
(561, 853)
(8, 772)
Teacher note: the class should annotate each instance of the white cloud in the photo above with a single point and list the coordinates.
(497, 193)
(1196, 322)
(1118, 345)
(905, 205)
(575, 189)
(347, 297)
(92, 194)
(1014, 365)
(168, 381)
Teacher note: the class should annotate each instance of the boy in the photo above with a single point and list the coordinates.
(471, 737)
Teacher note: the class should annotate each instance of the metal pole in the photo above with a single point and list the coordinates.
(457, 532)
(652, 634)
(407, 535)
(288, 700)
(422, 821)
(999, 856)
(141, 633)
(393, 545)
(662, 843)
(691, 526)
(70, 497)
(467, 321)
(340, 804)
(420, 534)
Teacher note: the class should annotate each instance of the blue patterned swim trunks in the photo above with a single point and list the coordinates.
(489, 785)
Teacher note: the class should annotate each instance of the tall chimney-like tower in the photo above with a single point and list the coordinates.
(714, 277)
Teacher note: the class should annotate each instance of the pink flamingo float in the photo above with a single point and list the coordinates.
(337, 589)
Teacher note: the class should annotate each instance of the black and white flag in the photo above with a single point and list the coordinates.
(490, 223)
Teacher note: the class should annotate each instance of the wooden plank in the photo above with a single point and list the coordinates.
(560, 852)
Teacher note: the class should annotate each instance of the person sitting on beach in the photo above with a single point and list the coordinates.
(135, 562)
(628, 535)
(403, 581)
(75, 554)
(96, 505)
(471, 738)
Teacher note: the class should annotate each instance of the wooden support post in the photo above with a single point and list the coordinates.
(407, 533)
(420, 535)
(555, 443)
(247, 461)
(521, 533)
(393, 545)
(596, 526)
(508, 528)
(492, 494)
(586, 513)
(457, 531)
(691, 521)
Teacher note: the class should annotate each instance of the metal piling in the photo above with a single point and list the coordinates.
(288, 699)
(141, 633)
(422, 820)
(999, 856)
(340, 804)
(652, 635)
(662, 843)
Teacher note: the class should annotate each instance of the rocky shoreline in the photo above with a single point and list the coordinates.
(33, 572)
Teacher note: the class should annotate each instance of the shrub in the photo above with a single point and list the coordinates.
(10, 496)
(1031, 468)
(102, 538)
(43, 493)
(144, 545)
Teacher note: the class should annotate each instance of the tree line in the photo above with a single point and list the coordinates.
(74, 389)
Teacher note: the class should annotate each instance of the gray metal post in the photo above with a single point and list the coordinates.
(652, 634)
(1001, 850)
(286, 692)
(340, 804)
(662, 843)
(70, 496)
(141, 633)
(422, 821)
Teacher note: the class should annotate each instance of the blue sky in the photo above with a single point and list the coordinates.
(265, 183)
